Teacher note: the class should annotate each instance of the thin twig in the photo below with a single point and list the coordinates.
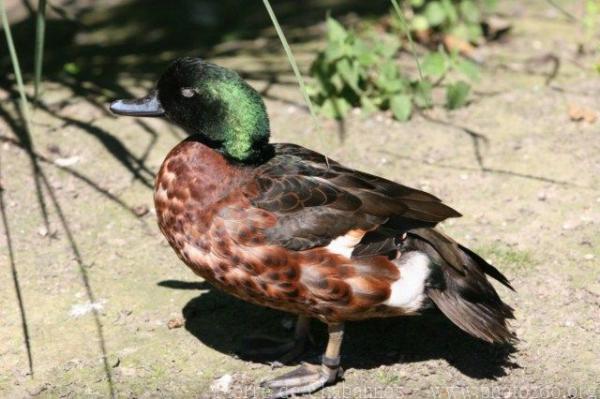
(562, 10)
(292, 60)
(15, 63)
(411, 42)
(40, 30)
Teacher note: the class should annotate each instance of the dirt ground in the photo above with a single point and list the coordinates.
(94, 303)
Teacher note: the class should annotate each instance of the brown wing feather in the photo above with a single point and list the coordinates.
(317, 200)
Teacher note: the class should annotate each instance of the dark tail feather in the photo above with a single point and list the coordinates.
(459, 286)
(487, 268)
(484, 321)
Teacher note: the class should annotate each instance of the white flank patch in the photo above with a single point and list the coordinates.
(81, 309)
(344, 245)
(408, 292)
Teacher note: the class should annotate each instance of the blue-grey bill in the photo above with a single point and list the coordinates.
(146, 106)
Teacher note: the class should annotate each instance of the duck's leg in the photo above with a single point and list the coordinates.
(310, 378)
(261, 347)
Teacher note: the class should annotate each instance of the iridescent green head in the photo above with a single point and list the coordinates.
(210, 101)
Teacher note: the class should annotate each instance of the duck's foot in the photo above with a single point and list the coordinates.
(265, 348)
(281, 351)
(307, 378)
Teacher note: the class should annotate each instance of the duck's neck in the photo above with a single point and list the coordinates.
(240, 121)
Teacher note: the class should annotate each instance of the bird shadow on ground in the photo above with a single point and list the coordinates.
(221, 321)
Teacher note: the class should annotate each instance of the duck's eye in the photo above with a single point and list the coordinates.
(187, 92)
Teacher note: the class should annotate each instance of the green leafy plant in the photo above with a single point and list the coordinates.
(437, 65)
(460, 18)
(353, 71)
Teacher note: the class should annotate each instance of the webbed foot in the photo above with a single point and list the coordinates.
(279, 350)
(307, 378)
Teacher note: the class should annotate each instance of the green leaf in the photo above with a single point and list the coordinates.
(389, 80)
(417, 3)
(379, 100)
(71, 68)
(363, 53)
(349, 73)
(401, 107)
(312, 90)
(469, 11)
(337, 82)
(489, 5)
(434, 12)
(387, 73)
(334, 51)
(335, 108)
(457, 94)
(389, 46)
(393, 86)
(474, 32)
(335, 30)
(467, 68)
(460, 31)
(367, 106)
(434, 65)
(422, 94)
(419, 23)
(450, 10)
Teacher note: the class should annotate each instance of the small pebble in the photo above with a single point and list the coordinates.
(64, 162)
(140, 210)
(39, 389)
(542, 196)
(175, 322)
(287, 323)
(276, 365)
(222, 384)
(570, 225)
(54, 149)
(588, 256)
(128, 371)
